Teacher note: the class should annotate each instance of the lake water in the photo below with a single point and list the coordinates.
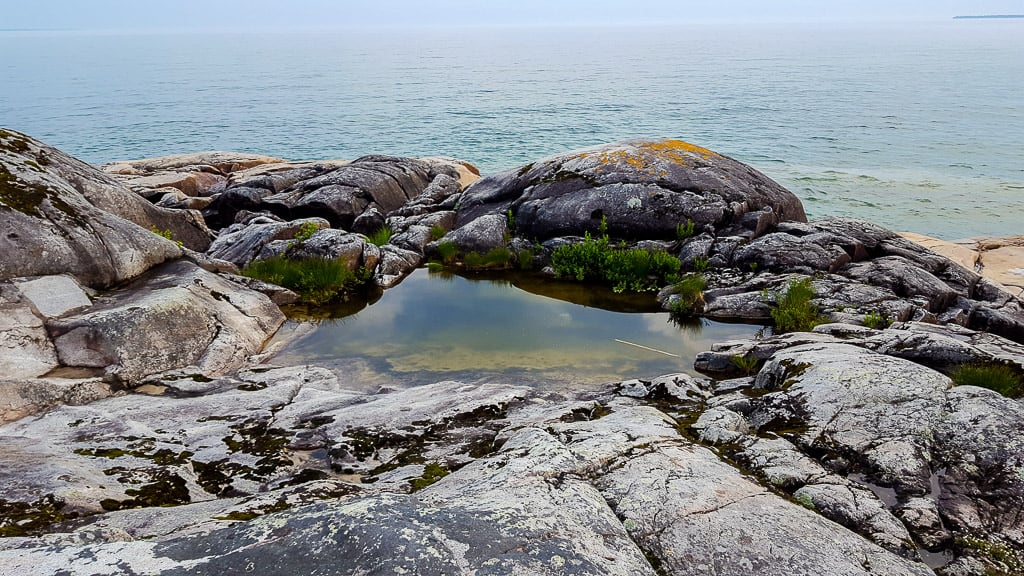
(518, 328)
(918, 125)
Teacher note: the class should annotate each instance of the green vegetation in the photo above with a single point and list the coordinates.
(510, 219)
(793, 310)
(998, 377)
(437, 232)
(306, 231)
(381, 236)
(448, 251)
(165, 234)
(1006, 561)
(691, 295)
(634, 269)
(525, 259)
(876, 321)
(435, 267)
(684, 231)
(432, 472)
(746, 364)
(315, 280)
(701, 263)
(498, 257)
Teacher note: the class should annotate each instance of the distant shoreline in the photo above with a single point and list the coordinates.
(985, 16)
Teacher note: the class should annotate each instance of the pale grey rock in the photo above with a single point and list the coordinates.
(179, 315)
(221, 161)
(394, 265)
(53, 296)
(21, 398)
(25, 347)
(481, 234)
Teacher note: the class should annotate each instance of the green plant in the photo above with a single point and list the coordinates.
(510, 219)
(306, 231)
(315, 280)
(691, 294)
(998, 377)
(753, 267)
(381, 236)
(435, 267)
(638, 269)
(876, 321)
(437, 232)
(685, 230)
(746, 364)
(793, 310)
(525, 259)
(701, 263)
(165, 234)
(448, 251)
(583, 260)
(498, 257)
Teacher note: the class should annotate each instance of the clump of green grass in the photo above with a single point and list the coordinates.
(448, 251)
(525, 259)
(437, 232)
(685, 230)
(691, 295)
(793, 310)
(316, 280)
(635, 269)
(498, 257)
(701, 263)
(435, 267)
(381, 237)
(876, 321)
(998, 377)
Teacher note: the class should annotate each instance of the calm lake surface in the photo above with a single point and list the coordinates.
(917, 125)
(433, 327)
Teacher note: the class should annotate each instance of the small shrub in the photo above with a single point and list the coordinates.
(315, 280)
(306, 231)
(510, 219)
(448, 251)
(701, 263)
(381, 236)
(637, 269)
(437, 232)
(691, 295)
(746, 364)
(793, 310)
(583, 260)
(685, 230)
(998, 377)
(435, 267)
(165, 234)
(876, 321)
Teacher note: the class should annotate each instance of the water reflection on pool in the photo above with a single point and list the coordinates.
(510, 328)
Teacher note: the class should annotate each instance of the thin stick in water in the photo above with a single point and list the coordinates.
(646, 348)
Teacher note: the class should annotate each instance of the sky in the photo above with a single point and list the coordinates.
(264, 15)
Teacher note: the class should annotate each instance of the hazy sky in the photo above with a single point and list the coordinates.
(327, 14)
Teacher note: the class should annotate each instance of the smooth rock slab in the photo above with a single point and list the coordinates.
(180, 315)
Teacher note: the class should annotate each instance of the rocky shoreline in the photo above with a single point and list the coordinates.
(146, 430)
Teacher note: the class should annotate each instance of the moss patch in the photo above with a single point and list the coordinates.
(432, 472)
(29, 518)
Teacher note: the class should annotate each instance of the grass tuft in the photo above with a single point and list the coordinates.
(381, 237)
(316, 280)
(998, 377)
(793, 310)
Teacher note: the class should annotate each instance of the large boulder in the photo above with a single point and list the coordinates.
(177, 315)
(59, 215)
(642, 188)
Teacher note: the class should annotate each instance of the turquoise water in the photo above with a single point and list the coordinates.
(519, 329)
(918, 126)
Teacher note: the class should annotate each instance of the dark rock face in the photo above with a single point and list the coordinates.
(644, 189)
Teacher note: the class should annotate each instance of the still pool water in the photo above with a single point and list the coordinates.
(519, 329)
